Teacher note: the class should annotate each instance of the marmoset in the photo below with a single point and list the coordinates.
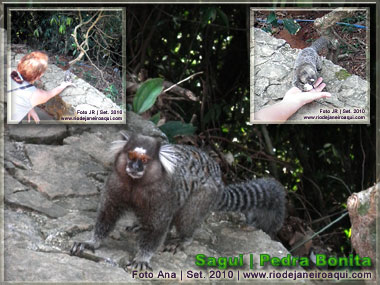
(169, 185)
(307, 65)
(56, 106)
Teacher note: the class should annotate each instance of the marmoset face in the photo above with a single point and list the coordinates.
(143, 157)
(307, 78)
(137, 160)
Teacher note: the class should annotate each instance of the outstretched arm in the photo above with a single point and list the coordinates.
(293, 100)
(41, 96)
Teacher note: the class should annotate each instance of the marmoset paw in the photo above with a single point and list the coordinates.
(78, 247)
(138, 265)
(175, 245)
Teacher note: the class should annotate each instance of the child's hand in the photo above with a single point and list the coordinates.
(34, 115)
(67, 84)
(295, 95)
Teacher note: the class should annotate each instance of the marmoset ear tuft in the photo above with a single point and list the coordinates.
(168, 157)
(116, 147)
(125, 135)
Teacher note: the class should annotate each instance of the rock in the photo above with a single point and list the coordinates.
(20, 195)
(362, 210)
(272, 62)
(38, 134)
(27, 265)
(21, 231)
(51, 199)
(57, 232)
(79, 203)
(60, 171)
(135, 124)
(97, 145)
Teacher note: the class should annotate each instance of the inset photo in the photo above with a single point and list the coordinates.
(65, 66)
(309, 66)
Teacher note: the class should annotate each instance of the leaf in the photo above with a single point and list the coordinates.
(292, 26)
(54, 20)
(36, 33)
(223, 17)
(348, 233)
(208, 14)
(267, 29)
(62, 29)
(147, 94)
(155, 118)
(175, 128)
(69, 21)
(272, 19)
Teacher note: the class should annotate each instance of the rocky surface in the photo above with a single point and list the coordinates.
(75, 101)
(272, 62)
(51, 194)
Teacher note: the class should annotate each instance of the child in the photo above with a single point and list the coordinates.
(24, 95)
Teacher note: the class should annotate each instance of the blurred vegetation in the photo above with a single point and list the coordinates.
(320, 165)
(52, 31)
(89, 41)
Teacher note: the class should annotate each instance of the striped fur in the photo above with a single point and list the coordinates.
(262, 201)
(195, 171)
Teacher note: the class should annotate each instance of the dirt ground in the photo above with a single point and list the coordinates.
(354, 61)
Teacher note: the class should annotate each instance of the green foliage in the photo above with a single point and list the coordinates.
(155, 118)
(342, 74)
(147, 94)
(289, 24)
(51, 31)
(58, 61)
(272, 19)
(348, 233)
(175, 128)
(111, 92)
(208, 16)
(292, 26)
(358, 17)
(89, 77)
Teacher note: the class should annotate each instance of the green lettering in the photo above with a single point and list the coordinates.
(275, 261)
(211, 261)
(285, 261)
(200, 261)
(332, 261)
(222, 262)
(321, 260)
(264, 258)
(366, 261)
(343, 261)
(304, 261)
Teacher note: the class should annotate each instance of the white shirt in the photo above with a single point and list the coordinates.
(21, 100)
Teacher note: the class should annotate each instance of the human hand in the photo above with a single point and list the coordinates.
(300, 98)
(67, 84)
(34, 115)
(293, 100)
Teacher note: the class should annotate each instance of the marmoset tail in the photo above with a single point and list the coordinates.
(169, 185)
(261, 200)
(307, 65)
